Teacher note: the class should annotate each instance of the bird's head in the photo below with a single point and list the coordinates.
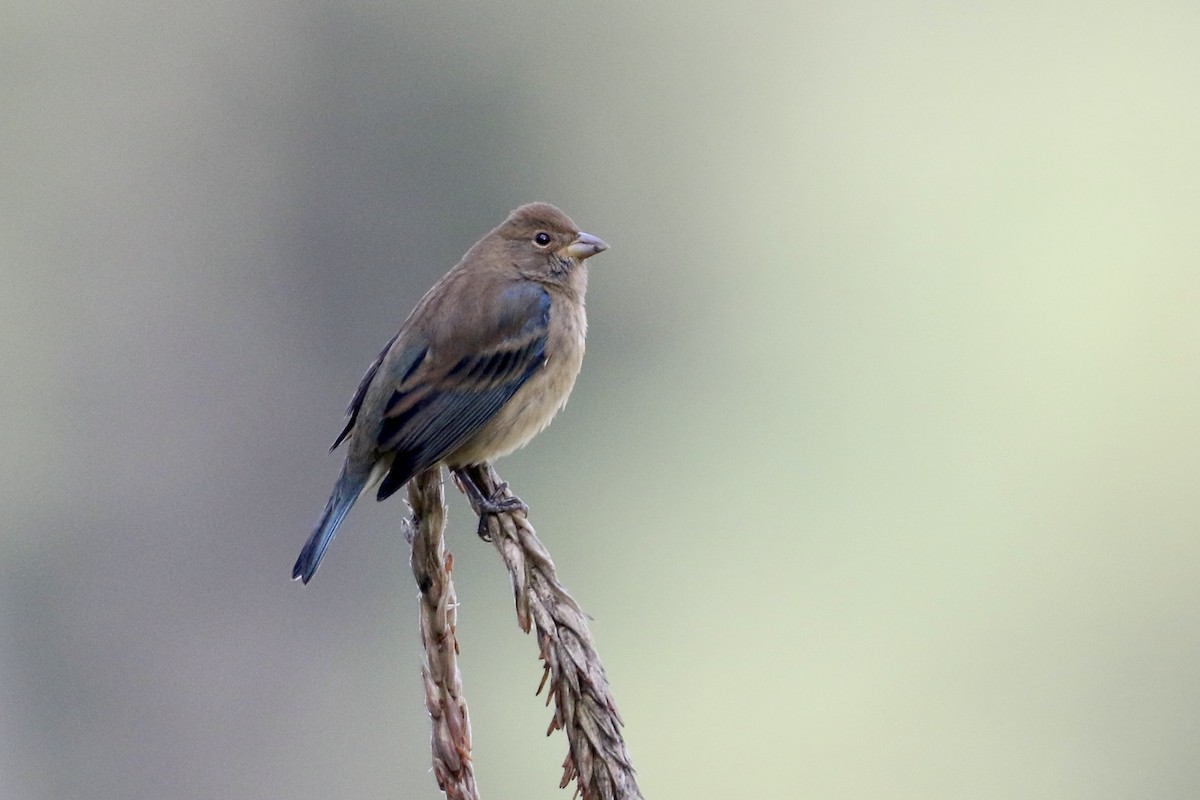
(544, 242)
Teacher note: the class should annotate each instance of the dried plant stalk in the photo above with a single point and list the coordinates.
(584, 709)
(431, 566)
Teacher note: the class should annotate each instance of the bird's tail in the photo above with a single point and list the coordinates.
(349, 486)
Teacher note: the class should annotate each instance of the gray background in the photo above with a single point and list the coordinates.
(879, 481)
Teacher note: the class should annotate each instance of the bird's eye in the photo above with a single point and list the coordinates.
(541, 239)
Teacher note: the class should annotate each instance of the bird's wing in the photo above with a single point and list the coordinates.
(361, 392)
(461, 379)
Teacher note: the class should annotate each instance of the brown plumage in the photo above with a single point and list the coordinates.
(483, 363)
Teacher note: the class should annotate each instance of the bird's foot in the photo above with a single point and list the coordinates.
(484, 505)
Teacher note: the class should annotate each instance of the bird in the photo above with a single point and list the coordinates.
(481, 365)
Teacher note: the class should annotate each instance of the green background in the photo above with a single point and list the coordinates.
(880, 480)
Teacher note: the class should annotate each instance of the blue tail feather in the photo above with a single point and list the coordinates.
(347, 490)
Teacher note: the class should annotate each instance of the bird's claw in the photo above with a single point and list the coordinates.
(497, 503)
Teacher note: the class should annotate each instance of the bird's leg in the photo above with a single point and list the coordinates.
(483, 504)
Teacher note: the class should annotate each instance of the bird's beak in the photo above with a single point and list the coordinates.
(586, 245)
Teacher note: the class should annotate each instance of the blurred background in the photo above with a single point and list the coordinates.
(879, 480)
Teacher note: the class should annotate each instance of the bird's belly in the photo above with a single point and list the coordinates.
(525, 414)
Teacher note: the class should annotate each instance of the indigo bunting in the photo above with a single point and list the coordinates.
(481, 365)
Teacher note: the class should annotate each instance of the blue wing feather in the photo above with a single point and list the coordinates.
(425, 424)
